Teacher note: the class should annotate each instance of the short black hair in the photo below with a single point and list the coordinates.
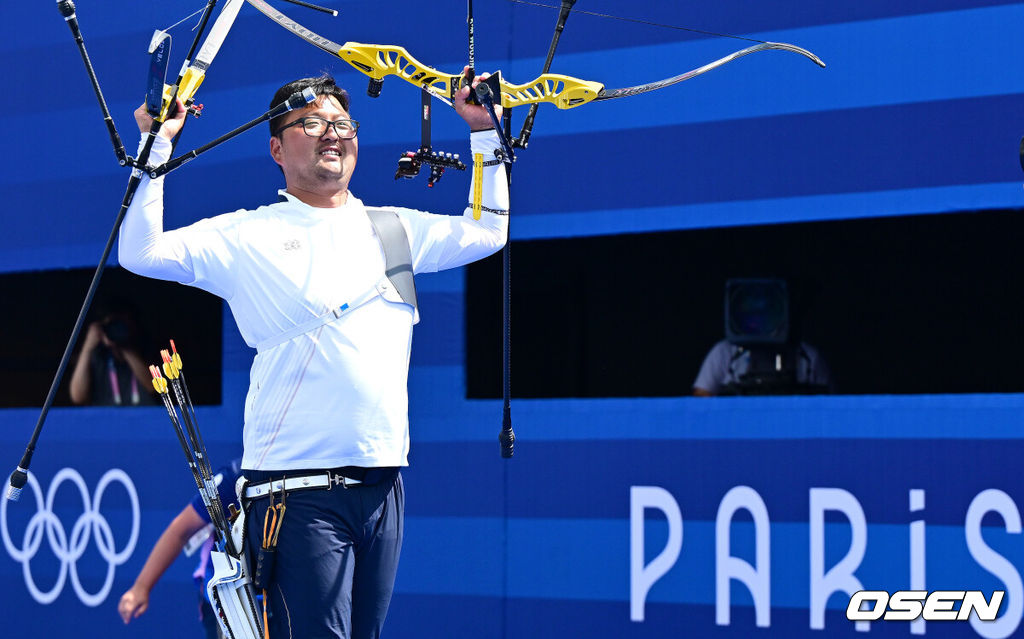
(322, 85)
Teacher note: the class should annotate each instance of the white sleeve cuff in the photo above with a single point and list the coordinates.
(161, 151)
(494, 191)
(486, 142)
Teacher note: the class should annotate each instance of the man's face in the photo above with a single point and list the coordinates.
(321, 165)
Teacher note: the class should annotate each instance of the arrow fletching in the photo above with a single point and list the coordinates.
(176, 358)
(170, 370)
(159, 383)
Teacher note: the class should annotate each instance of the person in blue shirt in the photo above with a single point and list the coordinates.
(193, 519)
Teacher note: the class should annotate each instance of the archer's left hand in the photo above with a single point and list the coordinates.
(474, 114)
(171, 125)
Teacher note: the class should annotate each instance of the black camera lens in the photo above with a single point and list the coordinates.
(117, 331)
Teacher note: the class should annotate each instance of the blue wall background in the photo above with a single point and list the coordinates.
(919, 111)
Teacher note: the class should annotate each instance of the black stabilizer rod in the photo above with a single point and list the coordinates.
(563, 14)
(210, 4)
(313, 7)
(67, 9)
(485, 96)
(295, 101)
(507, 436)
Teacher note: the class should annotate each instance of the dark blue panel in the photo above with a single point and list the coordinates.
(591, 479)
(478, 617)
(721, 17)
(893, 147)
(173, 612)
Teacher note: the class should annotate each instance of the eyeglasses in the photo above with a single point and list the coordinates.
(315, 127)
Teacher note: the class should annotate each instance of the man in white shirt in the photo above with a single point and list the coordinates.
(327, 403)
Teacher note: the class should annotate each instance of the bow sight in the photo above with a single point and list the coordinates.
(410, 162)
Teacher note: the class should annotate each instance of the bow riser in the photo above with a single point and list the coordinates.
(563, 91)
(187, 87)
(379, 61)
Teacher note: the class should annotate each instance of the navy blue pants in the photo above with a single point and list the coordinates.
(336, 558)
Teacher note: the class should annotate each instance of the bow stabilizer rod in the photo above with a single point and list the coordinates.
(485, 96)
(563, 15)
(67, 9)
(294, 101)
(314, 7)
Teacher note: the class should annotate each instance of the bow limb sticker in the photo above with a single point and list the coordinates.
(159, 53)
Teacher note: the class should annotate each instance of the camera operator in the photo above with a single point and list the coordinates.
(787, 369)
(762, 353)
(109, 370)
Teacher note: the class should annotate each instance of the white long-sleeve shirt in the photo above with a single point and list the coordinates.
(335, 396)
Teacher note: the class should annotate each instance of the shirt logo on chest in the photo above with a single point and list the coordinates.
(292, 245)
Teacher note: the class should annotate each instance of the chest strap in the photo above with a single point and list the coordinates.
(397, 285)
(382, 288)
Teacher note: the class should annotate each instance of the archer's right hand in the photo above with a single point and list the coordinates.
(133, 603)
(170, 127)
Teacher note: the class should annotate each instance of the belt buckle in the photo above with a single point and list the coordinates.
(336, 479)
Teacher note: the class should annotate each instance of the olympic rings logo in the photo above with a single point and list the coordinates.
(69, 548)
